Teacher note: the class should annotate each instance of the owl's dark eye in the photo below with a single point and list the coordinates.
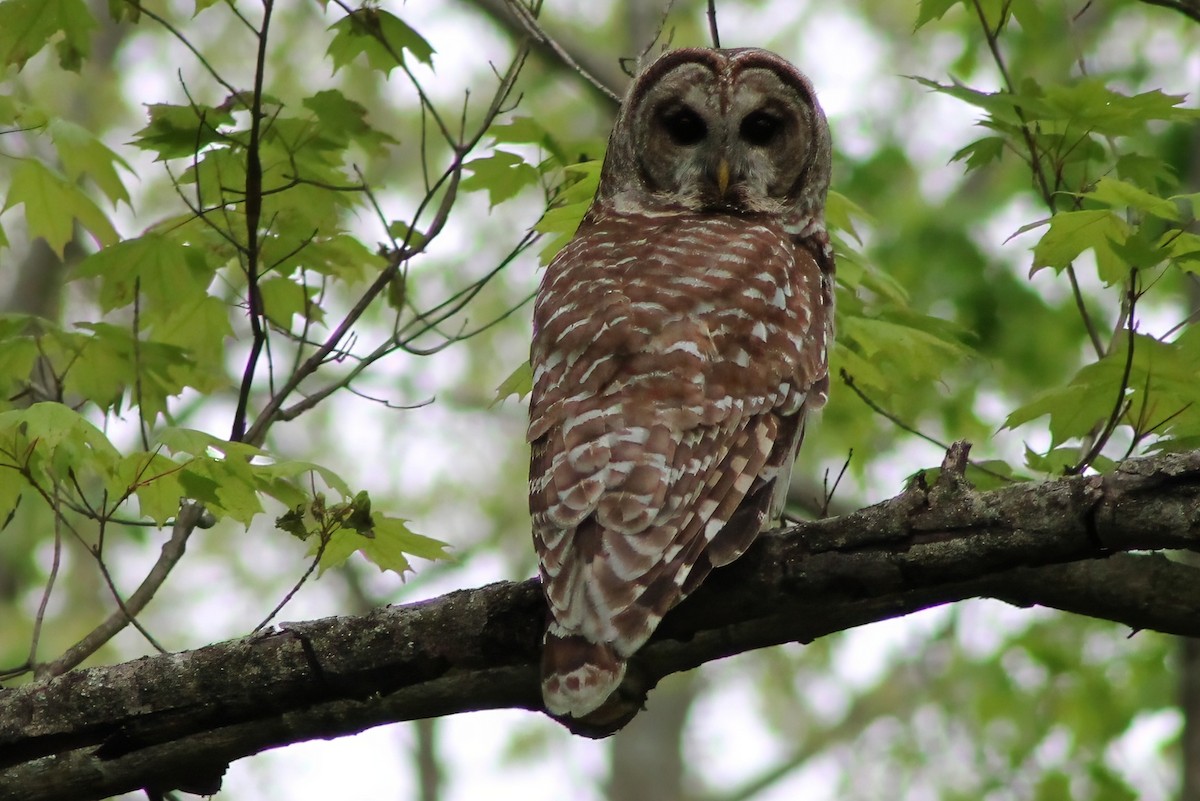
(760, 128)
(684, 126)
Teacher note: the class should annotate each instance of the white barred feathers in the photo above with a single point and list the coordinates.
(679, 340)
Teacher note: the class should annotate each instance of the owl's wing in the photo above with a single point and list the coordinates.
(671, 375)
(629, 522)
(667, 404)
(612, 569)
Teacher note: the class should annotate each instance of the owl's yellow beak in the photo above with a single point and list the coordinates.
(722, 176)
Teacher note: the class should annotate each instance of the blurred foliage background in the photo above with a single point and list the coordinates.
(1016, 189)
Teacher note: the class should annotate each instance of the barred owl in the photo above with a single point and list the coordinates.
(679, 340)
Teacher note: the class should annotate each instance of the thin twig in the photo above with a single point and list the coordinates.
(197, 207)
(253, 210)
(712, 24)
(387, 404)
(450, 179)
(1121, 405)
(377, 35)
(49, 589)
(143, 426)
(122, 606)
(658, 34)
(186, 43)
(232, 6)
(295, 588)
(1035, 162)
(848, 380)
(189, 517)
(829, 491)
(436, 315)
(595, 62)
(530, 23)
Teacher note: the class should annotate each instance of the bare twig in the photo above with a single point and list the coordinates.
(428, 320)
(596, 63)
(529, 22)
(186, 521)
(40, 617)
(712, 24)
(143, 425)
(123, 606)
(1039, 173)
(316, 560)
(1121, 405)
(829, 491)
(253, 210)
(216, 76)
(848, 380)
(447, 185)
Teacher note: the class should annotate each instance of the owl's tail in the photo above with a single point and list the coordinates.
(578, 675)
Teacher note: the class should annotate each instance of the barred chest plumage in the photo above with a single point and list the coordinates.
(679, 340)
(679, 308)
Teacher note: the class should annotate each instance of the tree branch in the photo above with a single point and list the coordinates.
(176, 721)
(189, 517)
(1189, 8)
(601, 75)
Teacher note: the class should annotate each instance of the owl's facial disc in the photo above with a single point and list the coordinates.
(723, 142)
(768, 137)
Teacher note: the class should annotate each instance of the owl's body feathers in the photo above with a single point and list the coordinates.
(679, 339)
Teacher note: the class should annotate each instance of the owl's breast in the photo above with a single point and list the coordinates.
(674, 314)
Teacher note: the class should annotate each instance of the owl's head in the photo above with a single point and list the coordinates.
(734, 131)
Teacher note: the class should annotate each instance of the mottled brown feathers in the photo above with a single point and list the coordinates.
(679, 340)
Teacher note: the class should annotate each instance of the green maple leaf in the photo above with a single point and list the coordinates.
(382, 37)
(26, 26)
(52, 204)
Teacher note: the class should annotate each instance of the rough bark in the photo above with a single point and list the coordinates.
(176, 721)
